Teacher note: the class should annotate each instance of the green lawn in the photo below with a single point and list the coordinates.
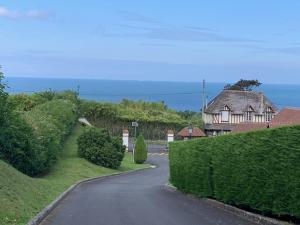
(21, 197)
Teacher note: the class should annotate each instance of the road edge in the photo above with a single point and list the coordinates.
(39, 217)
(252, 217)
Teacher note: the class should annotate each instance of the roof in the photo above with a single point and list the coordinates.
(220, 126)
(239, 101)
(287, 116)
(243, 127)
(197, 132)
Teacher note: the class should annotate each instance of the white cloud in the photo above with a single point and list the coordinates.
(15, 14)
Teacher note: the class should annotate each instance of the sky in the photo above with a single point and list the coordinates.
(170, 40)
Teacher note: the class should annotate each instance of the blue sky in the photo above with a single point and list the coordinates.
(220, 41)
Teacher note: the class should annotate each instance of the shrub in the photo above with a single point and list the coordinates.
(19, 146)
(98, 147)
(258, 169)
(140, 150)
(26, 102)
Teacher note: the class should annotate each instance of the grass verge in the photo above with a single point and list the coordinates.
(22, 197)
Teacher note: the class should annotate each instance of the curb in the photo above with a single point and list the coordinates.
(252, 217)
(47, 210)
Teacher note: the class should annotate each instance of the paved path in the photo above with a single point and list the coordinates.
(137, 199)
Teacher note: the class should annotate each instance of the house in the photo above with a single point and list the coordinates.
(232, 107)
(196, 132)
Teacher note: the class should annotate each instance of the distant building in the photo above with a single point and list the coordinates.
(196, 133)
(287, 116)
(230, 108)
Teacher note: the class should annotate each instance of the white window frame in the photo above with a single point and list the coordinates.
(249, 116)
(225, 115)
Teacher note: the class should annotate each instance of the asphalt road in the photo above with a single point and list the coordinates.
(138, 198)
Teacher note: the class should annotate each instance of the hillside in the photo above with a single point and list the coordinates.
(21, 197)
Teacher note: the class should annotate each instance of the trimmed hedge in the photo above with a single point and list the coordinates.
(258, 169)
(31, 141)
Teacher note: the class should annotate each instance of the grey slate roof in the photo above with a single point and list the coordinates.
(239, 102)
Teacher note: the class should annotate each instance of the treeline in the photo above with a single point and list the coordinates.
(154, 118)
(259, 169)
(34, 127)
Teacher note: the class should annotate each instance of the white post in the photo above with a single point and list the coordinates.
(170, 136)
(126, 138)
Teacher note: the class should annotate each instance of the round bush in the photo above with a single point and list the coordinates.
(97, 146)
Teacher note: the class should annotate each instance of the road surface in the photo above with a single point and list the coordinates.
(139, 198)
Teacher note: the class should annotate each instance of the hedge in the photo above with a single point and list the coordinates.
(154, 117)
(260, 169)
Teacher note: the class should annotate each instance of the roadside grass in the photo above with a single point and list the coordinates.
(22, 197)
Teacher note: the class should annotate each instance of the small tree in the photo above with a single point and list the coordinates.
(140, 151)
(243, 85)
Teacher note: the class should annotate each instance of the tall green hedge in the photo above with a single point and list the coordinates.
(32, 140)
(258, 169)
(51, 122)
(154, 117)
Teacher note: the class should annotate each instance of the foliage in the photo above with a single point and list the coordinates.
(22, 197)
(97, 146)
(25, 102)
(51, 122)
(18, 146)
(194, 118)
(257, 169)
(140, 150)
(4, 109)
(32, 141)
(154, 117)
(17, 143)
(243, 85)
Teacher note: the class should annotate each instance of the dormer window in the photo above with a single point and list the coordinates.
(268, 114)
(225, 114)
(249, 114)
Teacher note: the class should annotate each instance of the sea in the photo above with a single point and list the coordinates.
(177, 95)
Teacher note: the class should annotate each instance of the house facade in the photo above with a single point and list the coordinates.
(232, 107)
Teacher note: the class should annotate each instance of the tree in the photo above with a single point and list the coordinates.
(243, 85)
(140, 150)
(4, 108)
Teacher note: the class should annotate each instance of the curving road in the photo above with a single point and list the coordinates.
(138, 198)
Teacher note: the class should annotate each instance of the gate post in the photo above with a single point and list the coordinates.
(126, 138)
(170, 136)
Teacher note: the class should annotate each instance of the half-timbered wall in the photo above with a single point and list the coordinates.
(238, 118)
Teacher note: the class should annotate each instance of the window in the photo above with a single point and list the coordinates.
(248, 116)
(268, 115)
(225, 116)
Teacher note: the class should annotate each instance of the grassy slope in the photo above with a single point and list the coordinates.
(21, 197)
